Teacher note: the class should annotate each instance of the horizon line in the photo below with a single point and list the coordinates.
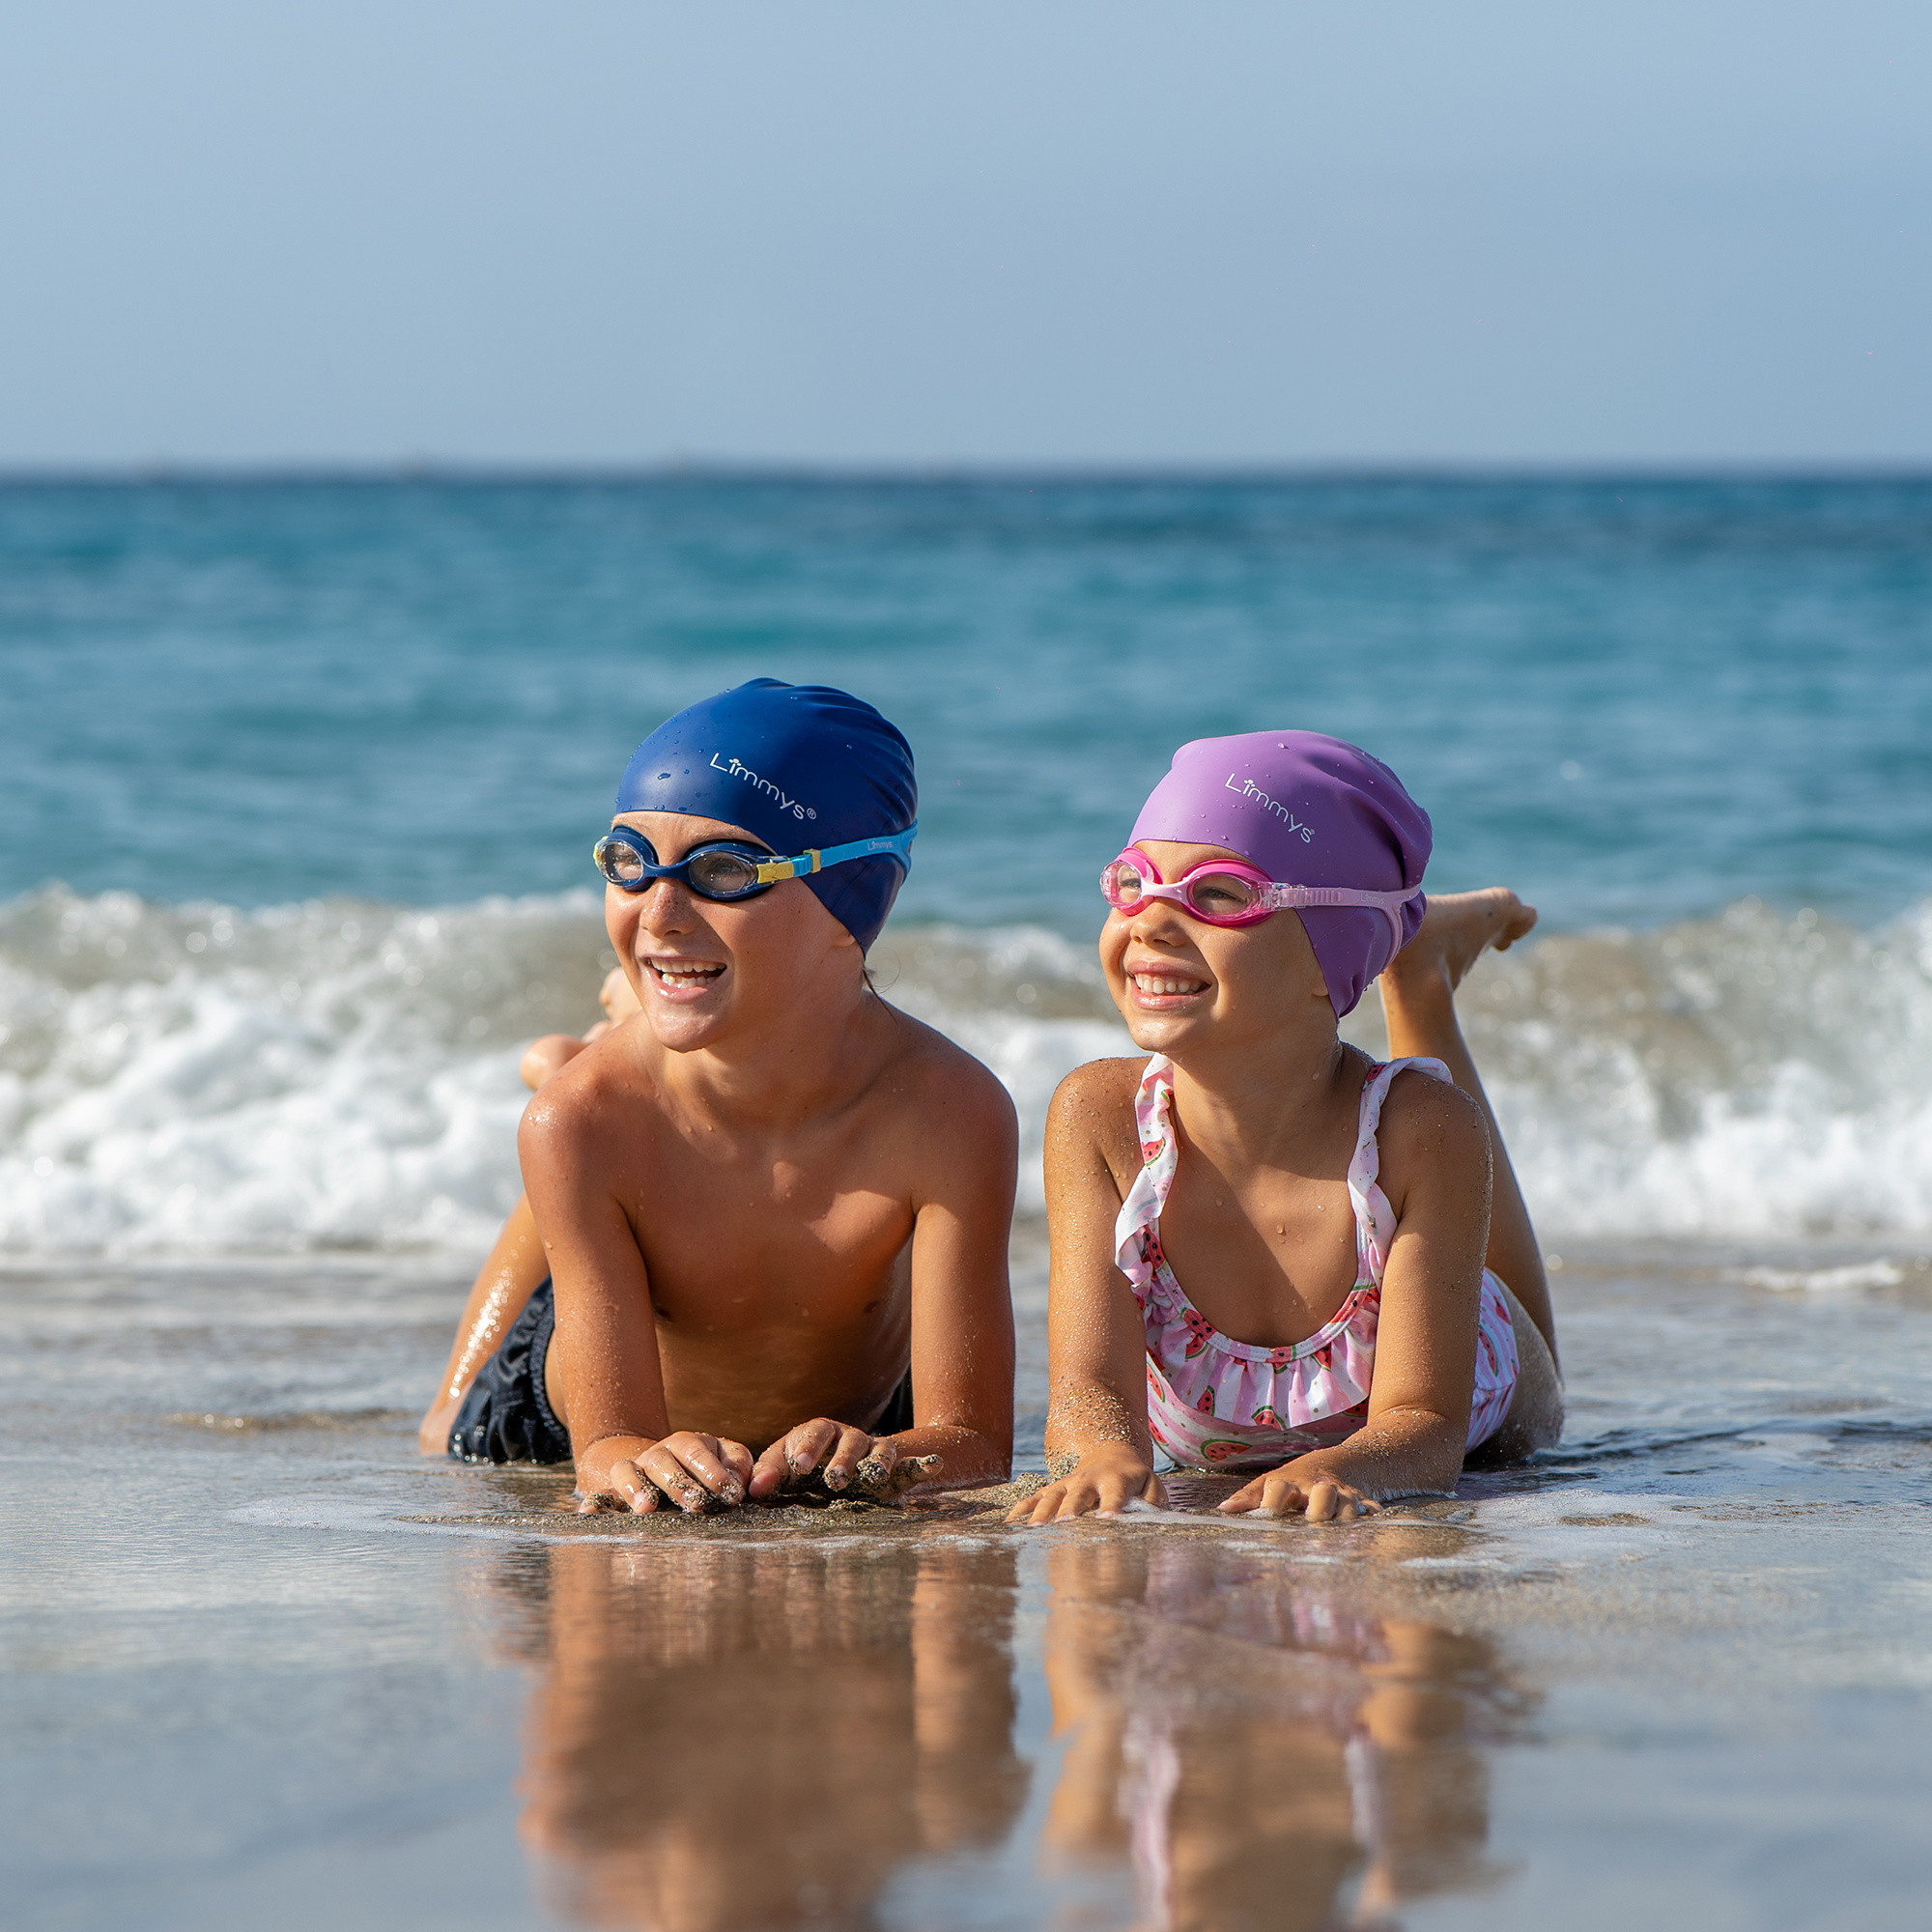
(702, 469)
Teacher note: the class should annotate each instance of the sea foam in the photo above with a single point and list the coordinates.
(343, 1075)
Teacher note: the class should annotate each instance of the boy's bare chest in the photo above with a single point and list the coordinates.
(807, 1233)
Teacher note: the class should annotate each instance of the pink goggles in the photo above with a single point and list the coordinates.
(1227, 891)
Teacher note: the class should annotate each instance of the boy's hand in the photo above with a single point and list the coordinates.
(1108, 1476)
(433, 1433)
(838, 1445)
(1314, 1493)
(690, 1468)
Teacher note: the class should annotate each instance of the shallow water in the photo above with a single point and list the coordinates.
(264, 1665)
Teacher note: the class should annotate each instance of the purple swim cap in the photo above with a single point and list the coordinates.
(1309, 811)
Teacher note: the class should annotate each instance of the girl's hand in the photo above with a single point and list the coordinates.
(839, 1446)
(1321, 1498)
(690, 1468)
(1107, 1479)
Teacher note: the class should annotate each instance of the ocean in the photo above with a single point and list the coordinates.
(302, 776)
(301, 782)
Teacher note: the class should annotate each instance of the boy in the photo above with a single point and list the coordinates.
(773, 1209)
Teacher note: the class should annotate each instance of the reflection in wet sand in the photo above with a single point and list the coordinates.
(725, 1737)
(1260, 1756)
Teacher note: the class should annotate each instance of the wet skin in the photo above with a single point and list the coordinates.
(755, 1197)
(1258, 1226)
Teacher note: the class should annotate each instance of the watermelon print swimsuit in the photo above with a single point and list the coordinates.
(1213, 1402)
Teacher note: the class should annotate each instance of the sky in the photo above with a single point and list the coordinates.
(1087, 233)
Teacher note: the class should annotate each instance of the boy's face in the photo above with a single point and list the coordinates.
(703, 968)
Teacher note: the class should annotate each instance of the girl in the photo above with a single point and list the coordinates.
(1269, 1253)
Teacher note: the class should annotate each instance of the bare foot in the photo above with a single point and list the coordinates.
(1455, 930)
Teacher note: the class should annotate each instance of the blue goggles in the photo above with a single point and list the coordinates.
(725, 869)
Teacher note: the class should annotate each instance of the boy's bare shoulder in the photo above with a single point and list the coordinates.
(930, 1070)
(606, 1082)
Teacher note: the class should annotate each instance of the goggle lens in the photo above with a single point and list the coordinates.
(716, 874)
(622, 864)
(712, 871)
(1221, 899)
(1221, 894)
(1121, 883)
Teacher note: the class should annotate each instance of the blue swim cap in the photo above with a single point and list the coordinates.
(798, 766)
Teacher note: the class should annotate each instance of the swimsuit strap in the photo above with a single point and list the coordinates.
(1375, 1219)
(1148, 1196)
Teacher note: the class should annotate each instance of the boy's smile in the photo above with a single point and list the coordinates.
(684, 979)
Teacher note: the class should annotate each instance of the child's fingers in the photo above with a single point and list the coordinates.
(672, 1478)
(1028, 1509)
(805, 1448)
(1244, 1500)
(1335, 1502)
(635, 1488)
(848, 1452)
(769, 1473)
(1081, 1500)
(1281, 1495)
(737, 1459)
(702, 1457)
(1046, 1507)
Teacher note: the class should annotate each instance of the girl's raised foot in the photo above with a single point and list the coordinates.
(1455, 930)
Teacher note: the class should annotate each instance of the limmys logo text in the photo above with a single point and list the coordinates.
(1249, 789)
(731, 768)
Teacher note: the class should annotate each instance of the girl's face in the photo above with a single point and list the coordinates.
(1180, 983)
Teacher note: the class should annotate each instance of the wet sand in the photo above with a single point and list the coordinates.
(265, 1667)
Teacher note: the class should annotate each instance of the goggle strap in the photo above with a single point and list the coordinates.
(1341, 896)
(1388, 904)
(815, 860)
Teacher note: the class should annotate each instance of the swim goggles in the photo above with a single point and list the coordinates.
(1228, 892)
(727, 869)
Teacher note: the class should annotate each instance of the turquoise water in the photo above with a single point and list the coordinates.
(1636, 699)
(318, 767)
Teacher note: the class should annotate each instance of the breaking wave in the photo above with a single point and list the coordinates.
(340, 1074)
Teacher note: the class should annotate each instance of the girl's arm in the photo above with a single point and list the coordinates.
(1435, 1143)
(1098, 1451)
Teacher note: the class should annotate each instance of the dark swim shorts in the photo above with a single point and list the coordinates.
(507, 1418)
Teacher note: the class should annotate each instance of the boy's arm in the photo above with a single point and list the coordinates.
(605, 1347)
(961, 1147)
(962, 1306)
(1418, 1420)
(1099, 1450)
(504, 1284)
